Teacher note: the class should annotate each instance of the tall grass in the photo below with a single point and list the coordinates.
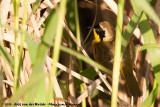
(117, 57)
(36, 78)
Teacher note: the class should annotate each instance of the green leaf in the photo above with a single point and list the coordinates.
(152, 97)
(154, 53)
(88, 73)
(35, 6)
(147, 46)
(147, 8)
(129, 30)
(6, 56)
(38, 56)
(46, 42)
(27, 87)
(32, 48)
(70, 16)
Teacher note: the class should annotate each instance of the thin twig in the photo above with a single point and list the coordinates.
(93, 24)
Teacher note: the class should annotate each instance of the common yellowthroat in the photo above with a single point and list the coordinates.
(103, 50)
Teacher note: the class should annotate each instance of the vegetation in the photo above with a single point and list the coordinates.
(44, 59)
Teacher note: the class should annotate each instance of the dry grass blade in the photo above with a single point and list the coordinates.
(4, 10)
(7, 70)
(45, 4)
(88, 90)
(43, 18)
(8, 82)
(78, 76)
(10, 38)
(33, 20)
(58, 90)
(86, 55)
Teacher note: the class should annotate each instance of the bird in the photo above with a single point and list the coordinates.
(103, 46)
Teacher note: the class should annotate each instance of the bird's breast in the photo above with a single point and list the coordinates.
(104, 54)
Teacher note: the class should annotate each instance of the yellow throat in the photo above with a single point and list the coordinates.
(96, 37)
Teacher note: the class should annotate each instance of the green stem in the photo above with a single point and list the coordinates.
(16, 77)
(58, 38)
(22, 34)
(117, 58)
(79, 40)
(154, 86)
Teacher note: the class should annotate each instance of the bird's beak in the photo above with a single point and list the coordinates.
(90, 27)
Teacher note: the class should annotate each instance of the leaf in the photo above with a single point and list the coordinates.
(147, 46)
(147, 8)
(152, 97)
(129, 30)
(32, 48)
(27, 87)
(35, 6)
(88, 73)
(38, 54)
(154, 54)
(6, 56)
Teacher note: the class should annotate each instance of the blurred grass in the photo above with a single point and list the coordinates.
(6, 56)
(23, 91)
(16, 58)
(35, 6)
(24, 20)
(57, 44)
